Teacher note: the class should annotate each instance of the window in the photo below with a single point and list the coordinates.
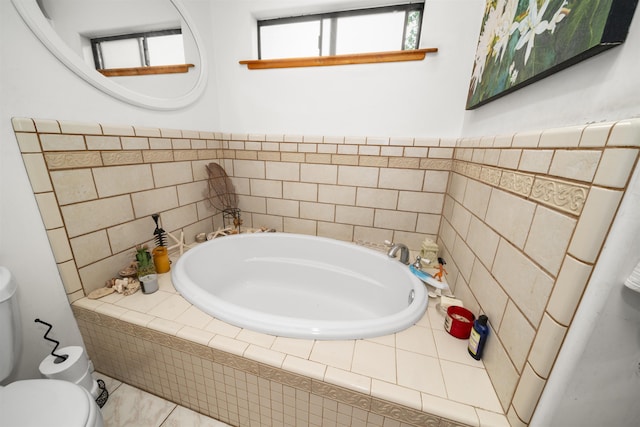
(148, 49)
(380, 29)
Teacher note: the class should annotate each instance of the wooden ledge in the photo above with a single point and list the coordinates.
(141, 71)
(322, 61)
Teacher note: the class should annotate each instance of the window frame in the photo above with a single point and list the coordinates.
(402, 7)
(142, 45)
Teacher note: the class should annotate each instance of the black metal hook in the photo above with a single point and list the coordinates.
(59, 357)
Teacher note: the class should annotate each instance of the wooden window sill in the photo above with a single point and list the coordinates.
(142, 71)
(358, 58)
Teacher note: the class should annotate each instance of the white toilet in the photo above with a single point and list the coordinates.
(40, 402)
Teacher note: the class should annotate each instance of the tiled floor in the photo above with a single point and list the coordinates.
(129, 406)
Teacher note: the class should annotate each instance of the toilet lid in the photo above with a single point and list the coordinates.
(45, 403)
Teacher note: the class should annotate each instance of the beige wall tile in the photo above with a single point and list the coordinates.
(358, 176)
(492, 157)
(55, 142)
(28, 142)
(266, 188)
(60, 244)
(90, 248)
(335, 231)
(300, 226)
(69, 276)
(420, 202)
(23, 124)
(157, 143)
(337, 194)
(319, 211)
(535, 161)
(300, 191)
(48, 206)
(568, 290)
(175, 219)
(546, 346)
(47, 126)
(548, 238)
(117, 130)
(95, 142)
(489, 294)
(37, 171)
(94, 275)
(580, 165)
(392, 151)
(91, 216)
(476, 198)
(180, 144)
(524, 282)
(483, 241)
(165, 174)
(354, 215)
(283, 207)
(503, 374)
(440, 153)
(269, 221)
(377, 198)
(615, 167)
(428, 223)
(74, 185)
(80, 128)
(511, 216)
(562, 137)
(395, 220)
(460, 219)
(509, 158)
(344, 159)
(370, 234)
(447, 234)
(464, 258)
(322, 174)
(192, 192)
(133, 143)
(145, 131)
(517, 335)
(457, 187)
(625, 133)
(522, 139)
(526, 397)
(249, 169)
(252, 204)
(282, 171)
(152, 201)
(594, 223)
(435, 181)
(115, 180)
(595, 135)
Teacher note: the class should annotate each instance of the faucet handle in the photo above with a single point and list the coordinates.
(388, 243)
(417, 263)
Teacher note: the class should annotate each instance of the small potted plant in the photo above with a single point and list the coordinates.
(146, 270)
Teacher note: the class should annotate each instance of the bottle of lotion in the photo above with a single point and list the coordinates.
(478, 337)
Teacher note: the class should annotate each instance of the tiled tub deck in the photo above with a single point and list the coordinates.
(161, 343)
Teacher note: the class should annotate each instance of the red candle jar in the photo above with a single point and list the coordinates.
(459, 321)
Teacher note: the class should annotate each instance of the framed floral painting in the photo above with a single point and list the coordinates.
(523, 41)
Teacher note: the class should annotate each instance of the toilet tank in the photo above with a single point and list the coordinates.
(10, 334)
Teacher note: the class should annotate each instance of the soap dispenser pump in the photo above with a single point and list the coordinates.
(478, 337)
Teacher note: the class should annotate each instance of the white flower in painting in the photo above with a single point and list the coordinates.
(530, 26)
(513, 73)
(558, 16)
(503, 32)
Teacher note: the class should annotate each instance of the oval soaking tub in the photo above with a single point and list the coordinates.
(300, 286)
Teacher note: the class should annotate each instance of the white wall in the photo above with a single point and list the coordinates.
(35, 84)
(423, 98)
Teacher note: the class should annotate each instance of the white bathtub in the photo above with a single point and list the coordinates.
(300, 286)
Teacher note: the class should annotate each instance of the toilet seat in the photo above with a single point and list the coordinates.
(47, 402)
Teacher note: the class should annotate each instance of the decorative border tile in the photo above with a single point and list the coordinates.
(517, 183)
(562, 195)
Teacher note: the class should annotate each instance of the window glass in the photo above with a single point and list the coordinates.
(369, 33)
(296, 39)
(165, 50)
(378, 29)
(123, 53)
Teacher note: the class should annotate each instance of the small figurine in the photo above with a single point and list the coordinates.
(441, 269)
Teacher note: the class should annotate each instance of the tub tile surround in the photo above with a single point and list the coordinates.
(421, 376)
(519, 218)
